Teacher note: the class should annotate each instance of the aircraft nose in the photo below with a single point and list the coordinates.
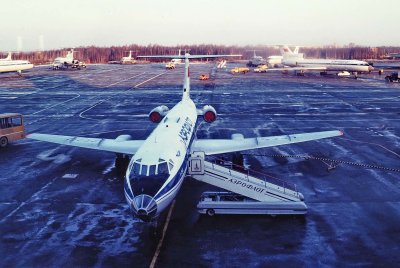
(144, 207)
(370, 68)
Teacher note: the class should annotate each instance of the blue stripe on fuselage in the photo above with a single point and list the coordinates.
(181, 173)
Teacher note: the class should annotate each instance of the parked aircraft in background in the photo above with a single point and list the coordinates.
(68, 62)
(276, 61)
(129, 59)
(161, 162)
(256, 60)
(177, 60)
(294, 61)
(8, 65)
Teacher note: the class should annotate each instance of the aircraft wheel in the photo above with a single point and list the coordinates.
(210, 212)
(3, 142)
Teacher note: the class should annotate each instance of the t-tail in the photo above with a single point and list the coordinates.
(186, 79)
(187, 57)
(70, 54)
(8, 56)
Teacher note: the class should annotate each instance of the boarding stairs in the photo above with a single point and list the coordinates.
(269, 190)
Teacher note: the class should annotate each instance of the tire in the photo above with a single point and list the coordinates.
(210, 212)
(3, 142)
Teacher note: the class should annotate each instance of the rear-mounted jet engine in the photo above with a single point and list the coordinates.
(158, 113)
(209, 114)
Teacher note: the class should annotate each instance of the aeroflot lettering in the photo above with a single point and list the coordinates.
(248, 186)
(185, 131)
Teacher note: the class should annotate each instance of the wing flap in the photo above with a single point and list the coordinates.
(220, 146)
(110, 145)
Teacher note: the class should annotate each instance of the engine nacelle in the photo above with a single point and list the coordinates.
(158, 113)
(209, 114)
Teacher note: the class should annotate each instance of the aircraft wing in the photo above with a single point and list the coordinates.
(238, 143)
(110, 145)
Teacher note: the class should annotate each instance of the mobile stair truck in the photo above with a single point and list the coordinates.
(247, 194)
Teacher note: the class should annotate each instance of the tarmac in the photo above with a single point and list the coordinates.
(64, 207)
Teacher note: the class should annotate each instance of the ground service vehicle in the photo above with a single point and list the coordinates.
(212, 203)
(170, 66)
(394, 77)
(204, 77)
(11, 128)
(237, 70)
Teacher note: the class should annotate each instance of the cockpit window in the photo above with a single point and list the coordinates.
(152, 170)
(163, 168)
(136, 168)
(171, 164)
(143, 172)
(148, 179)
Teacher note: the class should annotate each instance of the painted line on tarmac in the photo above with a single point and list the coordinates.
(113, 84)
(78, 95)
(148, 80)
(154, 260)
(100, 102)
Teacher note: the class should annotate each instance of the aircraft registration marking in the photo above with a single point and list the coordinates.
(186, 130)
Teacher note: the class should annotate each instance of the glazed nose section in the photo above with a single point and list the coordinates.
(370, 68)
(144, 207)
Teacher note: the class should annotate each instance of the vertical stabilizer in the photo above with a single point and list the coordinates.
(285, 50)
(70, 54)
(186, 79)
(8, 56)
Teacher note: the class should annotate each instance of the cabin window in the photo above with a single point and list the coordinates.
(16, 121)
(5, 123)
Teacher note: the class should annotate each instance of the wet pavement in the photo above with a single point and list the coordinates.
(63, 206)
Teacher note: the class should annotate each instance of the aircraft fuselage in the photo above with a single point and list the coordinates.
(156, 172)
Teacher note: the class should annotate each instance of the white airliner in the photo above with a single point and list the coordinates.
(8, 65)
(67, 61)
(159, 164)
(297, 60)
(129, 59)
(276, 60)
(256, 60)
(177, 60)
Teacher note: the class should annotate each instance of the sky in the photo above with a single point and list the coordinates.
(29, 25)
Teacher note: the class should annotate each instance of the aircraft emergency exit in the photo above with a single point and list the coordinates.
(160, 163)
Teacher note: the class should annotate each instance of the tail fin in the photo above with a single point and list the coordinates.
(70, 54)
(285, 50)
(9, 56)
(186, 57)
(296, 50)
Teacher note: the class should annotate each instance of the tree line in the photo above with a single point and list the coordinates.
(93, 54)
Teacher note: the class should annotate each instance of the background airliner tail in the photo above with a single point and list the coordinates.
(187, 57)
